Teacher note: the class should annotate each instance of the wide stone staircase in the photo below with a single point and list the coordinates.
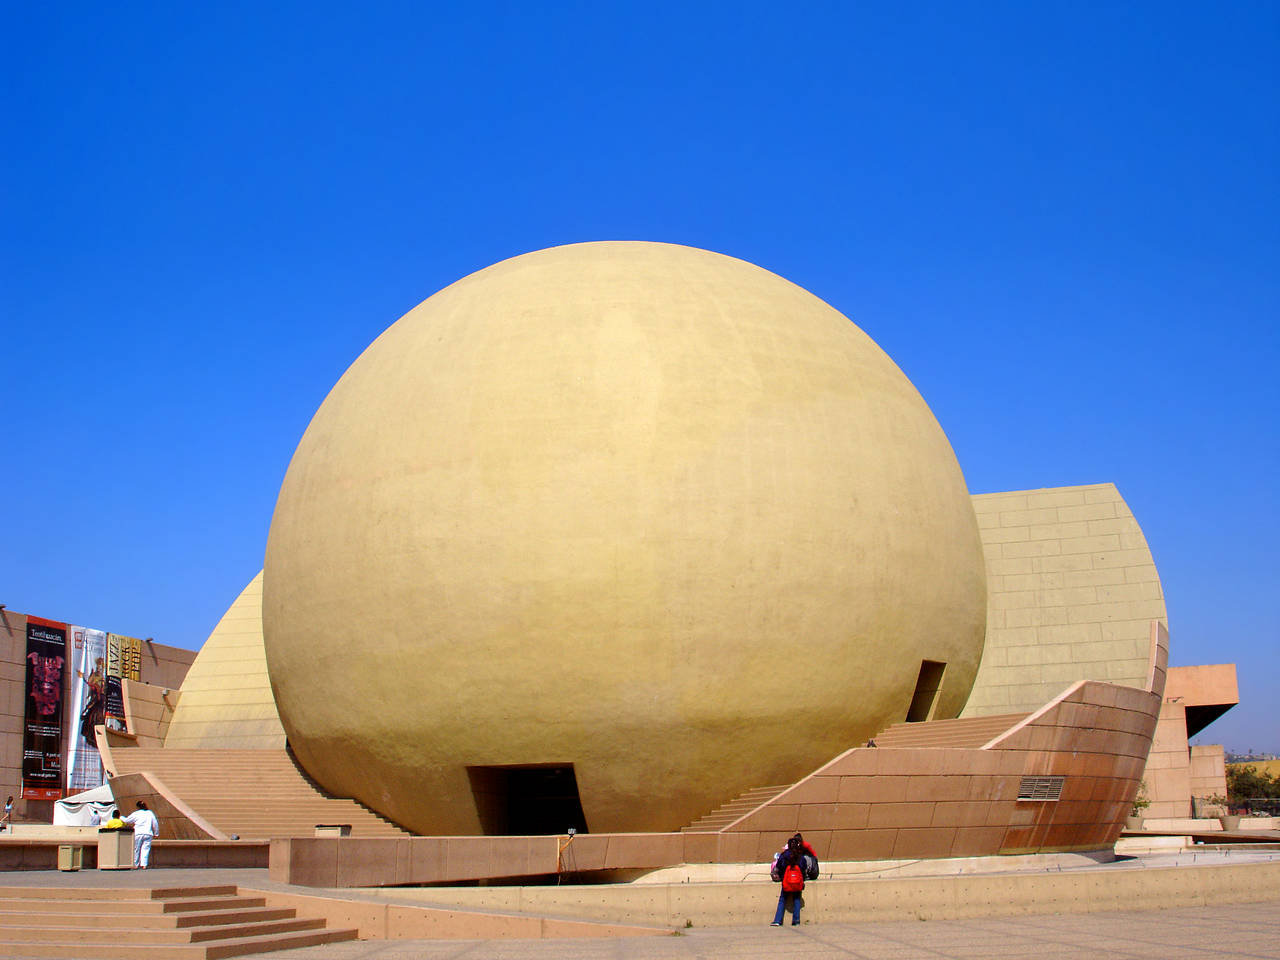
(735, 809)
(252, 794)
(180, 923)
(968, 732)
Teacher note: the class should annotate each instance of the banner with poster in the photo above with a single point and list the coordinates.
(124, 657)
(124, 662)
(42, 730)
(88, 708)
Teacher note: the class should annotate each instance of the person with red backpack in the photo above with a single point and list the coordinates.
(811, 855)
(789, 868)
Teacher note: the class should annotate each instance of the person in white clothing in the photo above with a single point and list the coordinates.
(145, 826)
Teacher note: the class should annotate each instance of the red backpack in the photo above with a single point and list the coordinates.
(793, 878)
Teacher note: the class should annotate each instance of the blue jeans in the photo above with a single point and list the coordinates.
(782, 906)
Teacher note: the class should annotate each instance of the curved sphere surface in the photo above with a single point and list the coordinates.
(639, 508)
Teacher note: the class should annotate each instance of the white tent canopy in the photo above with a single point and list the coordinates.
(78, 811)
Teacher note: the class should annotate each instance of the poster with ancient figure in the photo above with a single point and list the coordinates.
(88, 709)
(42, 731)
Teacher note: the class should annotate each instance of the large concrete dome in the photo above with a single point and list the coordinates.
(642, 510)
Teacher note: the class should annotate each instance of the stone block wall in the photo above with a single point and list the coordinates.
(1168, 770)
(876, 804)
(1071, 592)
(1208, 771)
(13, 674)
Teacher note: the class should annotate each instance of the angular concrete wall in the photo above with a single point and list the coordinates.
(1176, 772)
(148, 708)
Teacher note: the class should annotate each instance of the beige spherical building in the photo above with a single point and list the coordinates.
(630, 525)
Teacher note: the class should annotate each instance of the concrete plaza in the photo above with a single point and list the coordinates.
(1215, 917)
(1236, 930)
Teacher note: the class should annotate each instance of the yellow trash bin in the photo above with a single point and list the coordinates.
(70, 857)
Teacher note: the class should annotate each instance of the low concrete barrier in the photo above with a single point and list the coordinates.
(42, 854)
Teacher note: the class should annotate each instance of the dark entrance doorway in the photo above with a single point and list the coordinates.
(928, 684)
(527, 800)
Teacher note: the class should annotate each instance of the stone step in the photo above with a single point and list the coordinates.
(217, 950)
(114, 894)
(969, 732)
(934, 745)
(131, 905)
(300, 818)
(181, 923)
(300, 810)
(92, 934)
(130, 921)
(734, 809)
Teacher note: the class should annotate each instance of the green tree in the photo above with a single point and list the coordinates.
(1247, 782)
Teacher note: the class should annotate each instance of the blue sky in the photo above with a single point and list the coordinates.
(1060, 220)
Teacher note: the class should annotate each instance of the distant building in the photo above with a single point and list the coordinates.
(59, 680)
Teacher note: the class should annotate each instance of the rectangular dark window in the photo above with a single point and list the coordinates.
(928, 685)
(527, 800)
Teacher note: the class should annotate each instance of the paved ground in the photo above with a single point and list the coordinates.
(1234, 931)
(1239, 931)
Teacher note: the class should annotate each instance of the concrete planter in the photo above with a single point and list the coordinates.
(1230, 823)
(1133, 823)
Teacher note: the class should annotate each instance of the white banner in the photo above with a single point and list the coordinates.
(88, 707)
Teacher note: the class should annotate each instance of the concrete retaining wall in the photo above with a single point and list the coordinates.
(850, 901)
(42, 854)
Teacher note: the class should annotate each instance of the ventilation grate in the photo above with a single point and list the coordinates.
(1040, 788)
